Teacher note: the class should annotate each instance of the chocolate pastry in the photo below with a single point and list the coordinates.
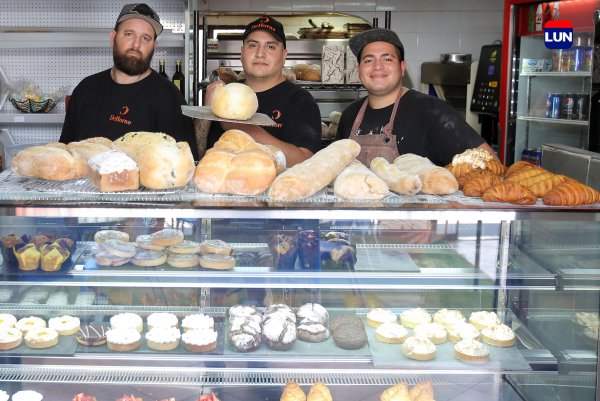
(244, 335)
(313, 312)
(92, 334)
(280, 309)
(308, 250)
(279, 333)
(312, 332)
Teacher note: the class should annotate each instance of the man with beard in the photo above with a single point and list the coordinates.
(294, 110)
(130, 96)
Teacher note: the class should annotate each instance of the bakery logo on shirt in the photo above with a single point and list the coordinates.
(124, 111)
(276, 115)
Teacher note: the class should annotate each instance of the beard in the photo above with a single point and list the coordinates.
(130, 65)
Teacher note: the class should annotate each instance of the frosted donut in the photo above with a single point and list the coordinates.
(167, 237)
(145, 242)
(64, 325)
(104, 235)
(118, 248)
(41, 338)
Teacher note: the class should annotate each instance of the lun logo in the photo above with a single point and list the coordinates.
(558, 34)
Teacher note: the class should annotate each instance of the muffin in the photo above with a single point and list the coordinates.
(337, 251)
(308, 250)
(284, 249)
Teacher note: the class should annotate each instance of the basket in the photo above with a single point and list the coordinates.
(31, 106)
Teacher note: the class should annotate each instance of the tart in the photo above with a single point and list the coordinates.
(197, 322)
(418, 348)
(10, 337)
(413, 317)
(435, 332)
(391, 333)
(64, 325)
(27, 323)
(470, 350)
(483, 319)
(200, 340)
(163, 338)
(377, 316)
(448, 317)
(161, 319)
(127, 320)
(462, 331)
(123, 339)
(498, 336)
(41, 338)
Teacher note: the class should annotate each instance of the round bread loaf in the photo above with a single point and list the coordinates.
(165, 165)
(131, 142)
(234, 101)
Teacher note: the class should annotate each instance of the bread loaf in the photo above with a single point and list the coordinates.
(308, 72)
(398, 181)
(356, 181)
(131, 142)
(571, 193)
(235, 140)
(509, 192)
(306, 178)
(88, 148)
(436, 180)
(165, 165)
(241, 173)
(114, 171)
(48, 162)
(234, 101)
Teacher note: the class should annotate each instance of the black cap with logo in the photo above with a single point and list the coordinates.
(269, 24)
(140, 11)
(359, 41)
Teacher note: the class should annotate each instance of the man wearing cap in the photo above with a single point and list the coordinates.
(130, 96)
(393, 120)
(294, 110)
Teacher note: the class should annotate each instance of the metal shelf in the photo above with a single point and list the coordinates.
(32, 118)
(554, 121)
(584, 74)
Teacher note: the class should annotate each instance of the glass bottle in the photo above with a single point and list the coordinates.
(161, 68)
(178, 78)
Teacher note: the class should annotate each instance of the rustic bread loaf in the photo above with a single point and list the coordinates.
(306, 178)
(131, 142)
(234, 101)
(356, 181)
(398, 181)
(165, 165)
(308, 72)
(48, 162)
(436, 180)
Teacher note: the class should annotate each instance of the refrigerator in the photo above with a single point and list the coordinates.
(546, 94)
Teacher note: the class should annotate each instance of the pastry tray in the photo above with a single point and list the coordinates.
(205, 113)
(67, 346)
(390, 355)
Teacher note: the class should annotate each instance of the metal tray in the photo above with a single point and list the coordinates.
(205, 113)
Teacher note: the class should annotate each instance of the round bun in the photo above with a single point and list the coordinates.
(148, 258)
(234, 101)
(165, 165)
(167, 237)
(183, 259)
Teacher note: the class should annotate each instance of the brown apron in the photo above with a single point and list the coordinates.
(372, 146)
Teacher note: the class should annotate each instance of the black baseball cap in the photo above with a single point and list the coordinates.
(140, 11)
(359, 41)
(269, 24)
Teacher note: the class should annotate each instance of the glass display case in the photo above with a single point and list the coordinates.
(536, 268)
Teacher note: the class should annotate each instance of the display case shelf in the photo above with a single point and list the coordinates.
(544, 120)
(31, 118)
(565, 74)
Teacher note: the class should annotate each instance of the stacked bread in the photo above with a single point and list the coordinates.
(238, 165)
(479, 175)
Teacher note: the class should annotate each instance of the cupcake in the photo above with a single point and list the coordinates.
(337, 251)
(28, 257)
(284, 249)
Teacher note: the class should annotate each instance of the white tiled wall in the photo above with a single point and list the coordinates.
(426, 27)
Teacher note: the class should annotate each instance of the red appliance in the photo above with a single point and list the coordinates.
(531, 73)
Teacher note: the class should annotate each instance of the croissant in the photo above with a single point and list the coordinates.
(571, 193)
(518, 166)
(525, 173)
(424, 389)
(319, 392)
(509, 192)
(541, 184)
(398, 392)
(477, 186)
(471, 175)
(292, 392)
(398, 181)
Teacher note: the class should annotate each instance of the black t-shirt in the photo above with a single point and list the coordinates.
(101, 107)
(424, 125)
(293, 109)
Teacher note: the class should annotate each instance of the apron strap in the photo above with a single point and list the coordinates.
(359, 116)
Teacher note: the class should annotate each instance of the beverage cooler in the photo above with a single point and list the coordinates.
(545, 93)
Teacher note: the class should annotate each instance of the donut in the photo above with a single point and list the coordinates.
(27, 323)
(10, 337)
(197, 322)
(314, 313)
(215, 246)
(200, 340)
(118, 248)
(278, 332)
(41, 338)
(163, 338)
(161, 319)
(127, 320)
(149, 258)
(217, 262)
(167, 237)
(123, 339)
(108, 259)
(145, 242)
(92, 334)
(104, 235)
(183, 260)
(7, 320)
(65, 325)
(185, 247)
(311, 331)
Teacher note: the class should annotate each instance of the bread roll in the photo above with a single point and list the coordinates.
(48, 162)
(165, 165)
(243, 173)
(398, 181)
(235, 140)
(436, 180)
(308, 72)
(234, 101)
(131, 142)
(306, 178)
(356, 181)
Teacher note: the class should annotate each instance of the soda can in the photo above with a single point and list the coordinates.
(526, 155)
(578, 59)
(580, 106)
(567, 106)
(554, 105)
(536, 157)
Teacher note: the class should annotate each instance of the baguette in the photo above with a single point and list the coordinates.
(397, 181)
(436, 180)
(310, 176)
(356, 181)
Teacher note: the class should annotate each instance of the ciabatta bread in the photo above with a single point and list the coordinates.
(356, 181)
(306, 178)
(398, 181)
(436, 180)
(48, 162)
